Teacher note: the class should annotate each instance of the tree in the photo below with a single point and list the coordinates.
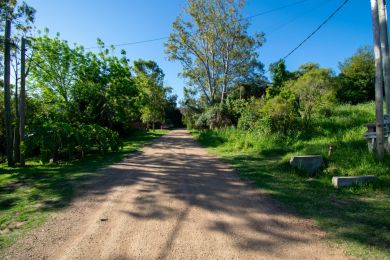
(172, 112)
(356, 81)
(21, 16)
(105, 91)
(314, 90)
(279, 75)
(7, 91)
(153, 95)
(54, 69)
(84, 87)
(214, 47)
(248, 89)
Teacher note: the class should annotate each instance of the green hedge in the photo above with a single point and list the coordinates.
(63, 141)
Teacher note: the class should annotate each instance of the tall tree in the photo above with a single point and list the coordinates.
(21, 17)
(153, 94)
(22, 103)
(357, 77)
(16, 63)
(279, 75)
(7, 74)
(214, 46)
(54, 70)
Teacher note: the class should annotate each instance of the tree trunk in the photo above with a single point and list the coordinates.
(22, 103)
(16, 128)
(7, 91)
(378, 81)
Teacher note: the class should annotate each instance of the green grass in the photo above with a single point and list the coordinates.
(358, 217)
(29, 194)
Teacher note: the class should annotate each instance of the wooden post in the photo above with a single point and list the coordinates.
(22, 103)
(378, 81)
(385, 50)
(7, 90)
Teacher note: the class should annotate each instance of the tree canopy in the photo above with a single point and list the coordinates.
(357, 77)
(214, 47)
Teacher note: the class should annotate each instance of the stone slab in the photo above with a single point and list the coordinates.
(307, 163)
(338, 181)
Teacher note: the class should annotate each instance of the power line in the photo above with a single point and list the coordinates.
(316, 30)
(276, 9)
(248, 17)
(281, 26)
(132, 43)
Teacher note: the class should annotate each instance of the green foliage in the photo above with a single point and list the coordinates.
(356, 82)
(78, 102)
(190, 108)
(62, 141)
(314, 91)
(94, 88)
(214, 117)
(280, 115)
(173, 116)
(280, 76)
(251, 115)
(214, 47)
(235, 108)
(253, 86)
(54, 69)
(153, 95)
(190, 116)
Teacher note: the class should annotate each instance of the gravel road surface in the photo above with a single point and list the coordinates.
(173, 200)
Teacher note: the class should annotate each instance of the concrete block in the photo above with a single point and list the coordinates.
(307, 163)
(351, 180)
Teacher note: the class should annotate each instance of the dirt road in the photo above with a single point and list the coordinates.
(173, 201)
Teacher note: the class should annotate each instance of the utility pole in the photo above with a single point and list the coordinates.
(385, 50)
(7, 89)
(378, 81)
(22, 103)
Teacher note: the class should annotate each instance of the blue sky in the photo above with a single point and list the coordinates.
(123, 21)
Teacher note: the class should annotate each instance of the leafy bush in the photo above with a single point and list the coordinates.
(250, 116)
(280, 115)
(235, 108)
(62, 141)
(313, 90)
(214, 117)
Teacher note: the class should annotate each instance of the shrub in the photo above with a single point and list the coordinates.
(235, 108)
(214, 117)
(280, 115)
(250, 116)
(314, 92)
(62, 141)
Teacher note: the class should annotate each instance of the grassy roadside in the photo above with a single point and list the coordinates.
(358, 217)
(28, 195)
